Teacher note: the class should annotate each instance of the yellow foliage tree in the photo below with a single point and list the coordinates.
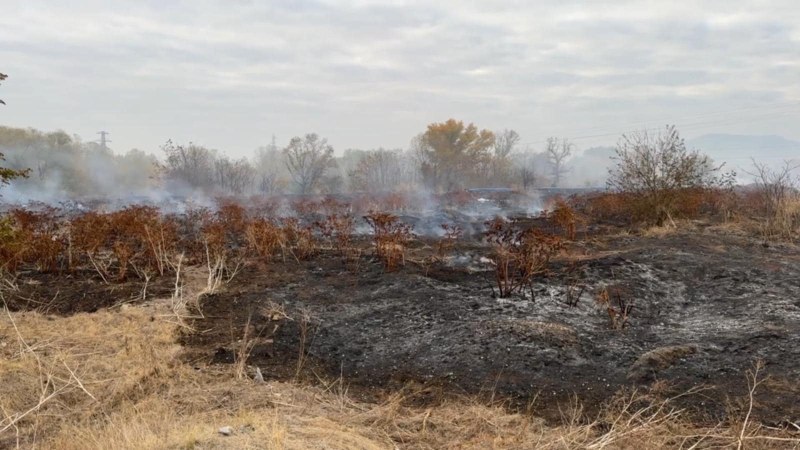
(453, 155)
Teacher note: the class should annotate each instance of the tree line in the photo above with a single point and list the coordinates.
(447, 156)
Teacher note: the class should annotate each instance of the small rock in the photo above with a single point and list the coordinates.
(225, 431)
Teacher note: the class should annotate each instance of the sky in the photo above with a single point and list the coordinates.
(231, 74)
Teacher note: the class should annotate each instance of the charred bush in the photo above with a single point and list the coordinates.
(519, 255)
(452, 233)
(618, 303)
(337, 230)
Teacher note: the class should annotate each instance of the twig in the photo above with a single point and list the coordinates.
(752, 383)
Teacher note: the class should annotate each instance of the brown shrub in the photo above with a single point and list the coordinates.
(300, 240)
(337, 230)
(38, 239)
(565, 217)
(264, 238)
(141, 239)
(390, 236)
(519, 255)
(305, 208)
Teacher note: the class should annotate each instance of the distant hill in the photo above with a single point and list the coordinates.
(736, 150)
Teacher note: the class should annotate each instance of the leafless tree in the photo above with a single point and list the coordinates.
(331, 184)
(307, 159)
(777, 189)
(527, 177)
(526, 166)
(235, 177)
(656, 167)
(268, 164)
(505, 142)
(268, 183)
(558, 151)
(192, 164)
(378, 170)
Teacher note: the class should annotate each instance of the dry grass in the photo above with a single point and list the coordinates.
(65, 370)
(117, 382)
(659, 359)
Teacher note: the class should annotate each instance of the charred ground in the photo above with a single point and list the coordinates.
(688, 307)
(705, 307)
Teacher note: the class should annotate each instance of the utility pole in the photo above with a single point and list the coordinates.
(103, 139)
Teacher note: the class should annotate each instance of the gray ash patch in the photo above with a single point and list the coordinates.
(705, 308)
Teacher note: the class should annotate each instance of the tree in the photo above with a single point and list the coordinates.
(378, 170)
(332, 184)
(504, 144)
(64, 165)
(558, 151)
(191, 164)
(657, 167)
(527, 175)
(233, 176)
(267, 165)
(8, 174)
(452, 154)
(527, 168)
(307, 159)
(777, 189)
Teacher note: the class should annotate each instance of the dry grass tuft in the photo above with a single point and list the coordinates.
(55, 371)
(659, 359)
(117, 383)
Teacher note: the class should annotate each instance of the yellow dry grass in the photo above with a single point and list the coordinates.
(114, 379)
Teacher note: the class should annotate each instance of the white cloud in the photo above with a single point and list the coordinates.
(365, 73)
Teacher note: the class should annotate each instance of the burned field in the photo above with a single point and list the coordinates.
(536, 310)
(702, 310)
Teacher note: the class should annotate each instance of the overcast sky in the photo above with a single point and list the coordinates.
(230, 74)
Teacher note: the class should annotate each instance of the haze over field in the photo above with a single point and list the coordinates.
(399, 224)
(229, 75)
